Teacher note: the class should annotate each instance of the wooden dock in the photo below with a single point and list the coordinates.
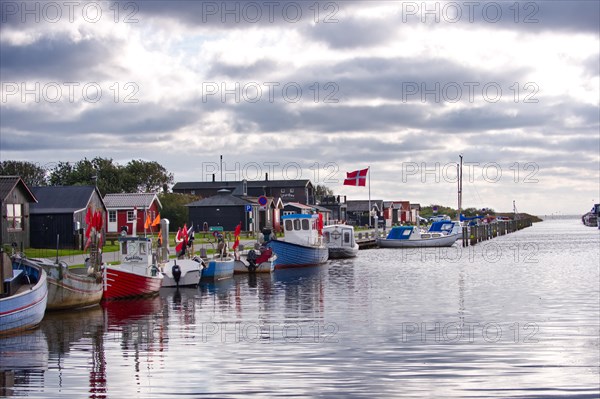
(474, 234)
(471, 235)
(368, 239)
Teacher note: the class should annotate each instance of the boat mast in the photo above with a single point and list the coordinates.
(460, 176)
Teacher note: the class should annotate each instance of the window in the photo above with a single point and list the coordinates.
(288, 225)
(347, 237)
(304, 224)
(14, 216)
(112, 216)
(283, 190)
(326, 237)
(291, 190)
(131, 216)
(296, 224)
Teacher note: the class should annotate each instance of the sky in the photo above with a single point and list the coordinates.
(316, 89)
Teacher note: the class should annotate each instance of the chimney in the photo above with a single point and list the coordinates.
(213, 177)
(266, 177)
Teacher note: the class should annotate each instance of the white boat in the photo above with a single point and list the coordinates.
(412, 237)
(182, 272)
(261, 260)
(339, 239)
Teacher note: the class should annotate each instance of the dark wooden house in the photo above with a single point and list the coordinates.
(301, 191)
(61, 211)
(338, 207)
(15, 199)
(223, 209)
(358, 212)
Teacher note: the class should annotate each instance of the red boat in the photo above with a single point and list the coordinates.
(137, 275)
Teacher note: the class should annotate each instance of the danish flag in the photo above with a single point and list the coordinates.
(356, 178)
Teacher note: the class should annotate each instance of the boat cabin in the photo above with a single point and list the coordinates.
(302, 229)
(136, 251)
(400, 232)
(444, 227)
(339, 236)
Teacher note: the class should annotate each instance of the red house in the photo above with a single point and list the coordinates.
(130, 210)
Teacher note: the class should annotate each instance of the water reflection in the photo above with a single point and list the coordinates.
(23, 361)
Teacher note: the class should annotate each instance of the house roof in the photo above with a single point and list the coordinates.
(299, 205)
(321, 208)
(62, 199)
(9, 183)
(233, 185)
(131, 200)
(223, 198)
(363, 205)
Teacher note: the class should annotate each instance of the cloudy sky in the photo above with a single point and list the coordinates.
(315, 89)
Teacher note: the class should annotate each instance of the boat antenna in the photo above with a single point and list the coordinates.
(460, 177)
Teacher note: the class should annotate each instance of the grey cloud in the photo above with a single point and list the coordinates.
(56, 58)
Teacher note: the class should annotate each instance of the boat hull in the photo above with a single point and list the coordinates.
(191, 272)
(291, 255)
(218, 269)
(241, 267)
(25, 310)
(343, 252)
(69, 288)
(443, 241)
(122, 283)
(73, 291)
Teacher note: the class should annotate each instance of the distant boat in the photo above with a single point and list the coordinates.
(136, 275)
(260, 260)
(303, 244)
(68, 288)
(182, 272)
(411, 237)
(23, 295)
(339, 239)
(592, 218)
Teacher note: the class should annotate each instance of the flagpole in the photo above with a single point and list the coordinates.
(369, 174)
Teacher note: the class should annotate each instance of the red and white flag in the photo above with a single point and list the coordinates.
(356, 178)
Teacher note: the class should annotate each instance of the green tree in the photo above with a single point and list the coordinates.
(32, 174)
(322, 191)
(102, 172)
(174, 209)
(146, 176)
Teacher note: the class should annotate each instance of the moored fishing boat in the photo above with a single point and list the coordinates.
(411, 237)
(68, 288)
(137, 274)
(339, 239)
(23, 295)
(261, 260)
(182, 272)
(303, 244)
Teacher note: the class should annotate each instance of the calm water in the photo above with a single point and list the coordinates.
(515, 317)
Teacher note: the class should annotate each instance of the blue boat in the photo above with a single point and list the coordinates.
(218, 269)
(23, 296)
(303, 244)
